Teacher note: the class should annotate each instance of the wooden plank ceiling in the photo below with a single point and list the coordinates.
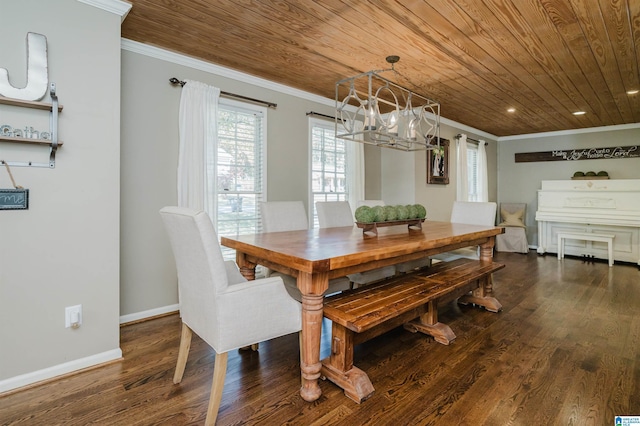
(545, 58)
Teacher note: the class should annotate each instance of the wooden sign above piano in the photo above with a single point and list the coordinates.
(608, 153)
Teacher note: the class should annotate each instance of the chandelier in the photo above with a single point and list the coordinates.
(373, 110)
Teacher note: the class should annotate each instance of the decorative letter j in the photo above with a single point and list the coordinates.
(37, 73)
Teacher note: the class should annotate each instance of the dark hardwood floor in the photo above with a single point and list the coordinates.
(565, 350)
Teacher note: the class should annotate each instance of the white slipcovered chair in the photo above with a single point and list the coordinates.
(338, 213)
(472, 213)
(332, 214)
(370, 203)
(514, 238)
(217, 302)
(281, 216)
(278, 216)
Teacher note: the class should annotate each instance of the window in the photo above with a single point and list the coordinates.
(238, 166)
(328, 165)
(473, 181)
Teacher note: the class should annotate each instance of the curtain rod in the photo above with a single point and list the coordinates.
(318, 114)
(176, 81)
(458, 136)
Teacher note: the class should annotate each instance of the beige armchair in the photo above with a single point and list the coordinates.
(217, 303)
(514, 239)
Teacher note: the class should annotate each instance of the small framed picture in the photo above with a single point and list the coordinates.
(438, 164)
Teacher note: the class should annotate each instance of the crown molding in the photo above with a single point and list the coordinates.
(570, 132)
(469, 129)
(187, 61)
(118, 7)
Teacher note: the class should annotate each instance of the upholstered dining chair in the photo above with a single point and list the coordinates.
(338, 213)
(472, 213)
(280, 216)
(370, 203)
(405, 267)
(217, 302)
(514, 238)
(332, 214)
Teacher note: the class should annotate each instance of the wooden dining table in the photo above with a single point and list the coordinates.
(317, 255)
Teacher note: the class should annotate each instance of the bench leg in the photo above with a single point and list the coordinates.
(339, 368)
(428, 324)
(482, 296)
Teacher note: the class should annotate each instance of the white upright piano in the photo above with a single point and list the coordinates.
(607, 206)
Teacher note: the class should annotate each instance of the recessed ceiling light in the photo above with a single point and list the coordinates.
(511, 110)
(579, 113)
(632, 92)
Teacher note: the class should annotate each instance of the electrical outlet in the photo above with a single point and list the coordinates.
(73, 316)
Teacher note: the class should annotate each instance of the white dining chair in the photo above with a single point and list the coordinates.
(370, 203)
(336, 214)
(472, 213)
(280, 216)
(332, 214)
(217, 302)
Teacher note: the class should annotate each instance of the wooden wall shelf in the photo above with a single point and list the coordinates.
(28, 140)
(54, 109)
(45, 106)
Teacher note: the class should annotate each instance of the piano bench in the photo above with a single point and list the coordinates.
(586, 236)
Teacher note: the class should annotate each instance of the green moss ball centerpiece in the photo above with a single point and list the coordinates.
(380, 214)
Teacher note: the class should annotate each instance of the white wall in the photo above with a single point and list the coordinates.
(519, 182)
(63, 250)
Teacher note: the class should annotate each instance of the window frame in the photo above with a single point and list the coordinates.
(329, 128)
(214, 192)
(473, 190)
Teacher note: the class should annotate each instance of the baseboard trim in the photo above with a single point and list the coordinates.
(45, 374)
(144, 315)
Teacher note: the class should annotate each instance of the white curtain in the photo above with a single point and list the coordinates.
(483, 184)
(355, 176)
(462, 180)
(197, 127)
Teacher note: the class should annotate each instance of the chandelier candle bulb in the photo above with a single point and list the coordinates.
(370, 117)
(393, 123)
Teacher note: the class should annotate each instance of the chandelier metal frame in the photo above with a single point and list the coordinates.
(379, 112)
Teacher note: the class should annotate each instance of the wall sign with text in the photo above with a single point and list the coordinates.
(14, 199)
(607, 153)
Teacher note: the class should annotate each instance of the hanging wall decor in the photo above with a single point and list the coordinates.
(438, 164)
(16, 198)
(37, 72)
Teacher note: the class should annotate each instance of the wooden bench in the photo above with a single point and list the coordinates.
(586, 236)
(411, 300)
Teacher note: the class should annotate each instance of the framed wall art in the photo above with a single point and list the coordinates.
(438, 164)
